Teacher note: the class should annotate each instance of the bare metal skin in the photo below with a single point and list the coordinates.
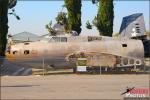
(107, 51)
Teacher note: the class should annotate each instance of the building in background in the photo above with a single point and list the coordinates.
(25, 37)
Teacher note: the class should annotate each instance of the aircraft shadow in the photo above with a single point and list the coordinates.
(21, 86)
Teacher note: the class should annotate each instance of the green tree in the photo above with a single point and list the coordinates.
(3, 25)
(4, 6)
(51, 31)
(105, 17)
(74, 14)
(63, 20)
(88, 25)
(60, 19)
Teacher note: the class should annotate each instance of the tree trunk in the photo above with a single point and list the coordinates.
(3, 26)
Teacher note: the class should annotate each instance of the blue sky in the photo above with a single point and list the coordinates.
(36, 14)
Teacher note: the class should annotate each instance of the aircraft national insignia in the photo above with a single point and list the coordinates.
(134, 34)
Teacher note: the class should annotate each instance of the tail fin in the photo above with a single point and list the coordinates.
(133, 26)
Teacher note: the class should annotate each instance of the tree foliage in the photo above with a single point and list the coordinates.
(50, 29)
(74, 14)
(14, 14)
(4, 6)
(3, 26)
(12, 3)
(63, 20)
(88, 25)
(105, 17)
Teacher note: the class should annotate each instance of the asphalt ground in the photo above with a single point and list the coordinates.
(70, 86)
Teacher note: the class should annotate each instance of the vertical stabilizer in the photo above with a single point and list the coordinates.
(133, 26)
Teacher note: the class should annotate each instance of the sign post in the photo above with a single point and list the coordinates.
(81, 64)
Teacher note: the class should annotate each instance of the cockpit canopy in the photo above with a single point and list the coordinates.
(58, 39)
(52, 39)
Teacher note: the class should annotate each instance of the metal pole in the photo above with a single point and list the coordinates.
(144, 67)
(100, 70)
(134, 67)
(105, 69)
(43, 66)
